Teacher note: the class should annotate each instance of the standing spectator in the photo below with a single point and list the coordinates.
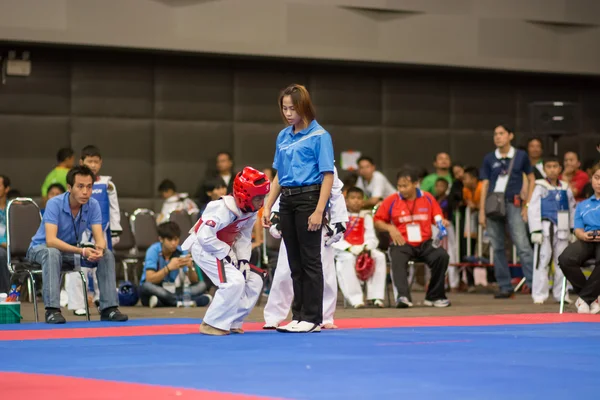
(408, 217)
(588, 190)
(535, 150)
(66, 159)
(442, 165)
(223, 171)
(4, 273)
(161, 279)
(573, 175)
(372, 182)
(305, 165)
(586, 247)
(456, 189)
(496, 179)
(174, 201)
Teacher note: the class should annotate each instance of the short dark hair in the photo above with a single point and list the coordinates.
(169, 230)
(79, 170)
(213, 184)
(408, 172)
(167, 185)
(443, 180)
(228, 154)
(587, 164)
(90, 151)
(574, 152)
(533, 139)
(13, 194)
(64, 153)
(473, 171)
(551, 158)
(440, 152)
(365, 158)
(355, 189)
(506, 127)
(5, 180)
(57, 186)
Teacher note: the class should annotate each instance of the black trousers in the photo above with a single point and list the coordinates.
(572, 259)
(436, 258)
(304, 255)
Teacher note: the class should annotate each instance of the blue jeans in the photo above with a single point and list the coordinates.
(518, 234)
(52, 259)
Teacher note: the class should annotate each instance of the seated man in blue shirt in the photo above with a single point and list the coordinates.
(58, 241)
(587, 247)
(165, 267)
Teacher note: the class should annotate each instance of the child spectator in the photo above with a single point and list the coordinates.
(174, 201)
(551, 216)
(161, 283)
(214, 190)
(66, 159)
(359, 237)
(53, 190)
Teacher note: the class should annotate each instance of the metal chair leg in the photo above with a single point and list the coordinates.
(563, 294)
(33, 293)
(85, 295)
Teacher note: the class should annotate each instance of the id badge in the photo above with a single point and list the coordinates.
(563, 220)
(501, 183)
(413, 231)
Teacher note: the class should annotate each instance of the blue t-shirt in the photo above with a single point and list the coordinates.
(587, 215)
(155, 261)
(2, 225)
(58, 212)
(494, 166)
(302, 158)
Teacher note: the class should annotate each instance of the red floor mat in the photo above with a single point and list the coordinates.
(354, 323)
(53, 387)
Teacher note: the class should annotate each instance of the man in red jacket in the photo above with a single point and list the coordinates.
(408, 217)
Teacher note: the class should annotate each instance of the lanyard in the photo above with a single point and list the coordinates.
(557, 188)
(74, 225)
(411, 212)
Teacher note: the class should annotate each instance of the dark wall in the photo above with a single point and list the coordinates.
(165, 115)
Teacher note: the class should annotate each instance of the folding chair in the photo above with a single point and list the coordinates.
(589, 264)
(143, 227)
(125, 249)
(23, 219)
(184, 221)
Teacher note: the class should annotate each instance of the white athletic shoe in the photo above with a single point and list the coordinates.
(80, 312)
(595, 307)
(378, 303)
(153, 301)
(403, 302)
(286, 328)
(540, 302)
(305, 327)
(268, 326)
(439, 303)
(582, 306)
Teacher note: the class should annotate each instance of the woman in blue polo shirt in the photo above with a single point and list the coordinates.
(586, 247)
(304, 163)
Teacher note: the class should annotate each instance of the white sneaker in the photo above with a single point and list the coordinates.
(359, 305)
(153, 301)
(439, 303)
(305, 327)
(540, 302)
(80, 312)
(403, 302)
(378, 303)
(582, 306)
(286, 328)
(595, 307)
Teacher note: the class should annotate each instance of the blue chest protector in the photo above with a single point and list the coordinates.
(556, 200)
(100, 193)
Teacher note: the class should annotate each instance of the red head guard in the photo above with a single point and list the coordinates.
(248, 184)
(365, 266)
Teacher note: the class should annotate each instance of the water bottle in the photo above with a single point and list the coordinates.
(443, 232)
(187, 290)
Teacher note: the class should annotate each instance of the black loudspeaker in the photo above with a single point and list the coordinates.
(555, 118)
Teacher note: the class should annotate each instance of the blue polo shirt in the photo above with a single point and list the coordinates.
(587, 214)
(58, 212)
(495, 166)
(301, 158)
(155, 261)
